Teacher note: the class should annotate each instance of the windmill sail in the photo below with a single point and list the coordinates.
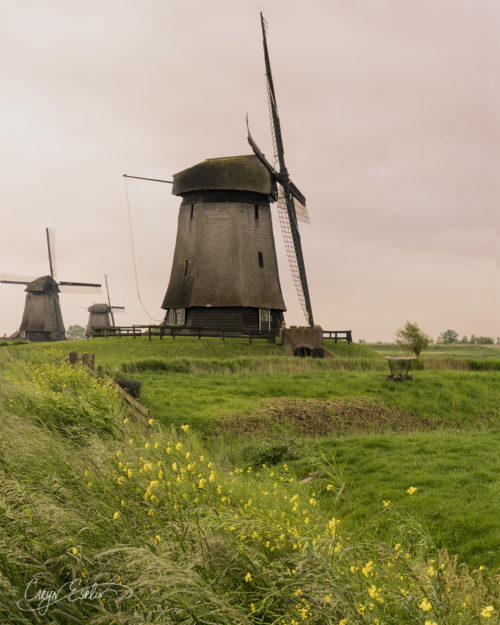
(51, 246)
(291, 202)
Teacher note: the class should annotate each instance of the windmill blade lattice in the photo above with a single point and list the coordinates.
(291, 202)
(79, 287)
(290, 250)
(12, 278)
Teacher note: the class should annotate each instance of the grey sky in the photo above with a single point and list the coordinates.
(390, 115)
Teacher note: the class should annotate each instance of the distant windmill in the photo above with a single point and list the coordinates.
(101, 315)
(42, 318)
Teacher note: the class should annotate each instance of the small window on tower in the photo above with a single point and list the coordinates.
(261, 260)
(192, 211)
(256, 212)
(186, 267)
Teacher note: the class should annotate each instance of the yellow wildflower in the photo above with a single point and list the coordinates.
(367, 568)
(425, 605)
(75, 551)
(116, 515)
(248, 577)
(151, 421)
(157, 538)
(185, 428)
(487, 612)
(178, 446)
(146, 445)
(412, 490)
(386, 502)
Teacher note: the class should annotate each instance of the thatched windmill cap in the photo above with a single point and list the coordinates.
(99, 309)
(233, 173)
(42, 285)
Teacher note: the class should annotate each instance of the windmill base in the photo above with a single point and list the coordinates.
(233, 319)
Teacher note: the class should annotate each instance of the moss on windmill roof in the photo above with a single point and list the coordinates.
(235, 173)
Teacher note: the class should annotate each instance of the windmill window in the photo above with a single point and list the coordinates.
(256, 212)
(186, 267)
(192, 211)
(261, 260)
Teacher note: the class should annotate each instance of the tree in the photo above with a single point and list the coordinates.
(448, 337)
(75, 332)
(412, 338)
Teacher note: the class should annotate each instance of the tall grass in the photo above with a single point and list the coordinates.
(188, 540)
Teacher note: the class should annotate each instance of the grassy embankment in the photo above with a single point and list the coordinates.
(192, 554)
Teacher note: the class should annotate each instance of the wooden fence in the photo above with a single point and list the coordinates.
(338, 335)
(87, 361)
(174, 331)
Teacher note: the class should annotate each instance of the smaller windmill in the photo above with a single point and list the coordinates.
(101, 315)
(42, 318)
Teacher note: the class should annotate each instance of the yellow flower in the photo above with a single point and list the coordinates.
(411, 490)
(248, 577)
(125, 420)
(116, 515)
(487, 612)
(174, 467)
(131, 441)
(157, 444)
(185, 428)
(118, 453)
(146, 445)
(157, 538)
(386, 502)
(343, 621)
(151, 421)
(178, 446)
(367, 568)
(123, 502)
(429, 622)
(425, 605)
(431, 571)
(75, 551)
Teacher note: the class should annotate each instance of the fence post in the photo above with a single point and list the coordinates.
(223, 335)
(133, 330)
(72, 358)
(149, 330)
(199, 333)
(161, 333)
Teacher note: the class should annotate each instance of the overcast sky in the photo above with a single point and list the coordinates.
(390, 116)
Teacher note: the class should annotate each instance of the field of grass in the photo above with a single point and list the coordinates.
(214, 523)
(443, 351)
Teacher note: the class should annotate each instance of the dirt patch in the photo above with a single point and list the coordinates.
(317, 417)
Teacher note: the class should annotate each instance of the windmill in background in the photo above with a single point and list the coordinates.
(42, 319)
(101, 315)
(291, 202)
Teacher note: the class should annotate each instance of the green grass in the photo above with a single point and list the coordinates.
(442, 351)
(368, 439)
(456, 474)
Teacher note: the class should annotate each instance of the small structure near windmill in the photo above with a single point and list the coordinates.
(42, 318)
(225, 273)
(102, 315)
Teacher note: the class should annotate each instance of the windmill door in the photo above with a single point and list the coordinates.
(264, 319)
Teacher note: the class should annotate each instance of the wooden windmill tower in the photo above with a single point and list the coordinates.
(102, 315)
(42, 319)
(225, 272)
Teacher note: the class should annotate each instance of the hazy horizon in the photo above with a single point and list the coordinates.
(390, 114)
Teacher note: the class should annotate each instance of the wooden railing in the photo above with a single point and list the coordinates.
(173, 331)
(338, 335)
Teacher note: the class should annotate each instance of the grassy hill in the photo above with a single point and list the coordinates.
(266, 490)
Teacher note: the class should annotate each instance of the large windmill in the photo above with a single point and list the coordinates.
(102, 315)
(42, 318)
(225, 273)
(291, 202)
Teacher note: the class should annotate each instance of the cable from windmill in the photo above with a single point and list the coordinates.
(133, 257)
